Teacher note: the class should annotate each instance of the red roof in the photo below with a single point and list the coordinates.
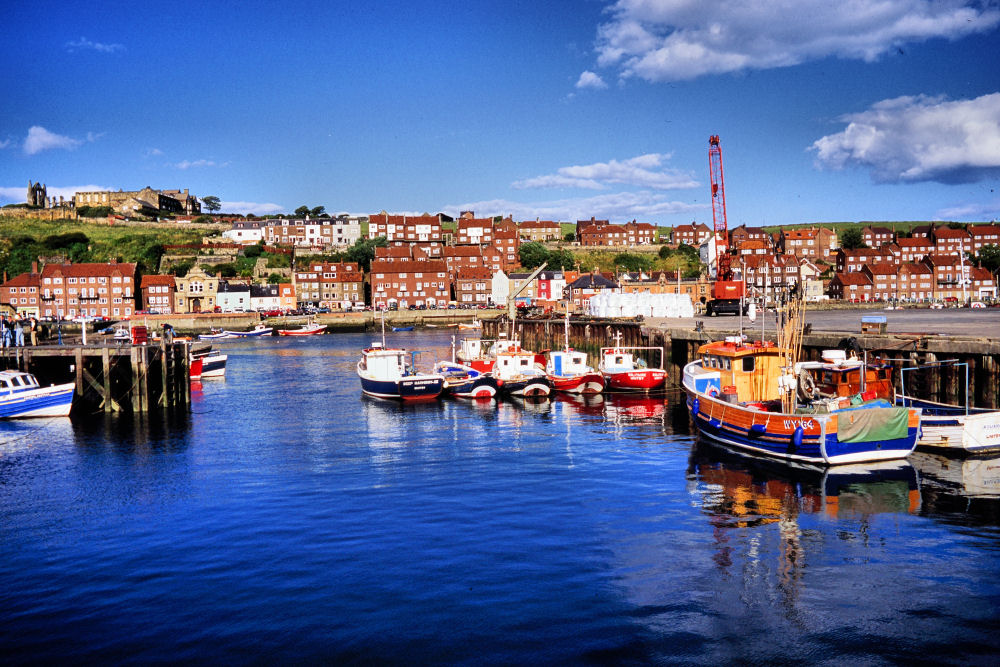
(88, 270)
(151, 279)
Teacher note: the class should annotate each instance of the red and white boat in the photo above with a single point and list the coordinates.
(207, 363)
(481, 353)
(308, 330)
(623, 372)
(568, 371)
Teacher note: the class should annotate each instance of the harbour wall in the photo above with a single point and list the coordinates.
(945, 381)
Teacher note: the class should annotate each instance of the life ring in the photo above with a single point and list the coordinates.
(712, 391)
(807, 386)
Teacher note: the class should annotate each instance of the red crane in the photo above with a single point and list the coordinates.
(725, 287)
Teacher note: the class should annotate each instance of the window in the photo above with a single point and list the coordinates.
(748, 364)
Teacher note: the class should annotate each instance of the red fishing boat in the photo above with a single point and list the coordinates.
(624, 372)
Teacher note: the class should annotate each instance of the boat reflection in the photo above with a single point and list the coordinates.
(742, 490)
(974, 477)
(535, 405)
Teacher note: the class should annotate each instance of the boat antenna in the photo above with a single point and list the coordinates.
(566, 326)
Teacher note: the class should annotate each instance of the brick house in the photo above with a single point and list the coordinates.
(753, 247)
(320, 233)
(984, 285)
(580, 290)
(539, 230)
(855, 286)
(88, 290)
(473, 286)
(743, 234)
(409, 228)
(874, 237)
(948, 241)
(410, 283)
(583, 225)
(21, 292)
(984, 235)
(883, 276)
(914, 249)
(330, 285)
(507, 243)
(473, 231)
(915, 282)
(692, 235)
(157, 294)
(853, 260)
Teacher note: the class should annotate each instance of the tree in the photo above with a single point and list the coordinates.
(989, 257)
(275, 278)
(254, 250)
(561, 259)
(212, 203)
(363, 251)
(852, 239)
(633, 262)
(569, 236)
(532, 254)
(318, 211)
(302, 211)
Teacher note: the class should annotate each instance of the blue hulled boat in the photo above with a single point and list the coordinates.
(21, 396)
(385, 373)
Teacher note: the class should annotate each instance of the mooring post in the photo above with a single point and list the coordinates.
(164, 377)
(78, 356)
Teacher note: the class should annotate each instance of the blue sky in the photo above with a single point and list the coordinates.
(559, 110)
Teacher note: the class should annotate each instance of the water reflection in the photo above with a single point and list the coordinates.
(743, 490)
(960, 490)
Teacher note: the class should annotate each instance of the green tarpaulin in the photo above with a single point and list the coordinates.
(865, 425)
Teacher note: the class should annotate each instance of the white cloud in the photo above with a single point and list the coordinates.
(671, 40)
(249, 207)
(39, 139)
(188, 164)
(642, 171)
(971, 212)
(84, 44)
(912, 139)
(19, 194)
(590, 80)
(153, 152)
(5, 143)
(618, 207)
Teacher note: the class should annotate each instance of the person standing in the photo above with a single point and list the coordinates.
(33, 328)
(18, 333)
(4, 331)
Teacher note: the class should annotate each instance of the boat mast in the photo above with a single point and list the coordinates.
(566, 327)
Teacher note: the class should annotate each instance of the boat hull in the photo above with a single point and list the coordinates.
(54, 401)
(645, 379)
(802, 438)
(208, 366)
(584, 383)
(947, 428)
(249, 334)
(313, 330)
(483, 386)
(527, 386)
(414, 388)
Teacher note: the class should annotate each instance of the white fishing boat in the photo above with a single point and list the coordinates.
(22, 396)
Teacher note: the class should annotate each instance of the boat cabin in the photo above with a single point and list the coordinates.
(385, 364)
(514, 362)
(616, 359)
(14, 381)
(837, 377)
(751, 371)
(568, 362)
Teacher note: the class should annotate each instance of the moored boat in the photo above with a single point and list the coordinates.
(950, 428)
(410, 328)
(259, 330)
(22, 396)
(466, 382)
(386, 373)
(567, 370)
(216, 334)
(312, 329)
(622, 371)
(518, 374)
(207, 363)
(735, 393)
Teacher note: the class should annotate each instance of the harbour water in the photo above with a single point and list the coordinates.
(289, 519)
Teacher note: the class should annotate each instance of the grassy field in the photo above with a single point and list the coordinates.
(23, 240)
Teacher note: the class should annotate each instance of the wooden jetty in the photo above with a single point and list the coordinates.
(944, 383)
(113, 377)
